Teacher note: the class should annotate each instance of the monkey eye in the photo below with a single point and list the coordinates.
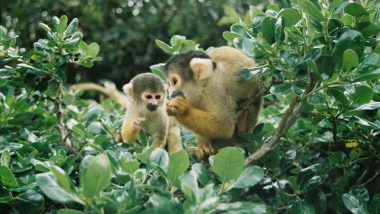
(158, 97)
(174, 81)
(149, 97)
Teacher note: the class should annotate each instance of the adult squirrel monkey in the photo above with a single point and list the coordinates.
(211, 94)
(146, 110)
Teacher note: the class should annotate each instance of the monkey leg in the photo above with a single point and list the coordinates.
(129, 131)
(159, 143)
(204, 148)
(174, 140)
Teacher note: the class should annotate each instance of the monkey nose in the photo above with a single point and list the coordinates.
(151, 107)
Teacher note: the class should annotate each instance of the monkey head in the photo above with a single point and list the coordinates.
(146, 90)
(185, 70)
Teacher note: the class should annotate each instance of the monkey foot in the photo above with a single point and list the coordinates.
(202, 151)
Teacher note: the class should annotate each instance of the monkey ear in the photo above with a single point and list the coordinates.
(128, 90)
(202, 68)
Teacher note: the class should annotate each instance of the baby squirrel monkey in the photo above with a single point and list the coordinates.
(212, 94)
(146, 110)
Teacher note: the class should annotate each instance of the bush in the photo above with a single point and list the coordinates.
(316, 150)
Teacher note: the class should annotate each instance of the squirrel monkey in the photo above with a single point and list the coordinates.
(146, 110)
(212, 95)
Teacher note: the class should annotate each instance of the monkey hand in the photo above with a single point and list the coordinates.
(137, 122)
(177, 106)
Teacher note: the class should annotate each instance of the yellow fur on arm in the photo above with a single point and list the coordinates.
(174, 140)
(206, 124)
(128, 132)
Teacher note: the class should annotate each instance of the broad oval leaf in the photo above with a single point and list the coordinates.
(350, 59)
(7, 178)
(301, 207)
(62, 179)
(178, 164)
(268, 29)
(161, 158)
(97, 176)
(70, 30)
(51, 188)
(163, 46)
(290, 15)
(249, 177)
(363, 94)
(353, 204)
(355, 9)
(310, 8)
(228, 164)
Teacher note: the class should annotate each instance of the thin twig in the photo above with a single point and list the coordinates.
(290, 116)
(64, 136)
(370, 179)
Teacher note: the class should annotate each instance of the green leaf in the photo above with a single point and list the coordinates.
(318, 199)
(367, 76)
(254, 11)
(242, 207)
(310, 8)
(62, 24)
(160, 158)
(93, 49)
(7, 178)
(62, 179)
(279, 30)
(355, 9)
(369, 64)
(246, 74)
(301, 207)
(230, 36)
(268, 28)
(374, 206)
(369, 106)
(51, 188)
(316, 99)
(338, 94)
(178, 164)
(55, 22)
(158, 69)
(130, 166)
(97, 176)
(69, 211)
(45, 27)
(249, 177)
(350, 59)
(363, 94)
(361, 193)
(163, 46)
(280, 89)
(202, 173)
(350, 39)
(70, 30)
(5, 158)
(353, 204)
(290, 16)
(326, 66)
(228, 164)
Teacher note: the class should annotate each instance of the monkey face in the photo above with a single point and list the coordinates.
(175, 84)
(152, 100)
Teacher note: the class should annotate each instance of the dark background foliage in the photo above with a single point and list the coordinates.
(125, 30)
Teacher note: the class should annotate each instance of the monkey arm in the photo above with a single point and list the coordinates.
(128, 132)
(206, 124)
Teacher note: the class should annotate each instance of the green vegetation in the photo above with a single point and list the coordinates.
(316, 149)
